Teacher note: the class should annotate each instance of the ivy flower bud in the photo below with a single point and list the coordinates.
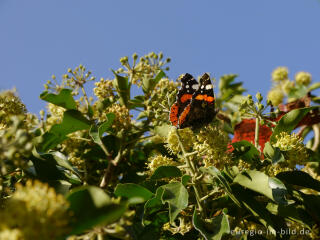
(259, 96)
(135, 56)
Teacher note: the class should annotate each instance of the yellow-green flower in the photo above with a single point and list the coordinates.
(104, 89)
(303, 78)
(276, 96)
(280, 74)
(122, 117)
(10, 105)
(212, 145)
(11, 234)
(186, 137)
(293, 147)
(159, 160)
(35, 211)
(55, 115)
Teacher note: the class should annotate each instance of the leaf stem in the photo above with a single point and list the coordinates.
(256, 135)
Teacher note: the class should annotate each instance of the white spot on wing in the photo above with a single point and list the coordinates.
(208, 87)
(195, 86)
(187, 86)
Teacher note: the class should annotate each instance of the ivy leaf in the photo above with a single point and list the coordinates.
(185, 179)
(131, 190)
(96, 133)
(246, 151)
(154, 204)
(166, 172)
(63, 99)
(215, 229)
(73, 121)
(289, 121)
(216, 174)
(259, 182)
(273, 153)
(149, 84)
(91, 206)
(176, 195)
(122, 85)
(299, 178)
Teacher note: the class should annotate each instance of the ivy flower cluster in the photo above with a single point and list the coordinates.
(35, 211)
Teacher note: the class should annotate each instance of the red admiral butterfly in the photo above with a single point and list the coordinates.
(195, 105)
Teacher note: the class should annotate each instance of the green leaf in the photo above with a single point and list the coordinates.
(216, 174)
(154, 204)
(91, 206)
(299, 178)
(149, 84)
(292, 212)
(185, 179)
(121, 84)
(314, 86)
(131, 190)
(63, 99)
(257, 181)
(246, 151)
(166, 172)
(96, 133)
(289, 121)
(213, 230)
(273, 153)
(72, 121)
(176, 195)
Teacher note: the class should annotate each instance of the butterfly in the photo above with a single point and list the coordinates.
(195, 104)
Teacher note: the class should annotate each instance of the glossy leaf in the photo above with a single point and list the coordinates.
(97, 132)
(91, 206)
(213, 230)
(72, 121)
(299, 178)
(131, 190)
(176, 195)
(246, 151)
(63, 99)
(273, 153)
(289, 121)
(122, 86)
(166, 172)
(149, 84)
(257, 181)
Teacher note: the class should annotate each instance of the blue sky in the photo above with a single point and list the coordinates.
(39, 38)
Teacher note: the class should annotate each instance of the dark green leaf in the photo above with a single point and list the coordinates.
(299, 178)
(185, 179)
(166, 172)
(289, 121)
(72, 121)
(91, 206)
(246, 151)
(149, 84)
(63, 99)
(154, 204)
(257, 181)
(176, 195)
(96, 133)
(121, 84)
(273, 153)
(213, 230)
(216, 174)
(131, 190)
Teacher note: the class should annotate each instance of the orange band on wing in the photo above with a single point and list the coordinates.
(174, 114)
(205, 98)
(184, 114)
(185, 97)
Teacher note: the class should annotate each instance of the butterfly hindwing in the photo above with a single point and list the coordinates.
(184, 96)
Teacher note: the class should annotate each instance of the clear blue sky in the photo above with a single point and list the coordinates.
(39, 38)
